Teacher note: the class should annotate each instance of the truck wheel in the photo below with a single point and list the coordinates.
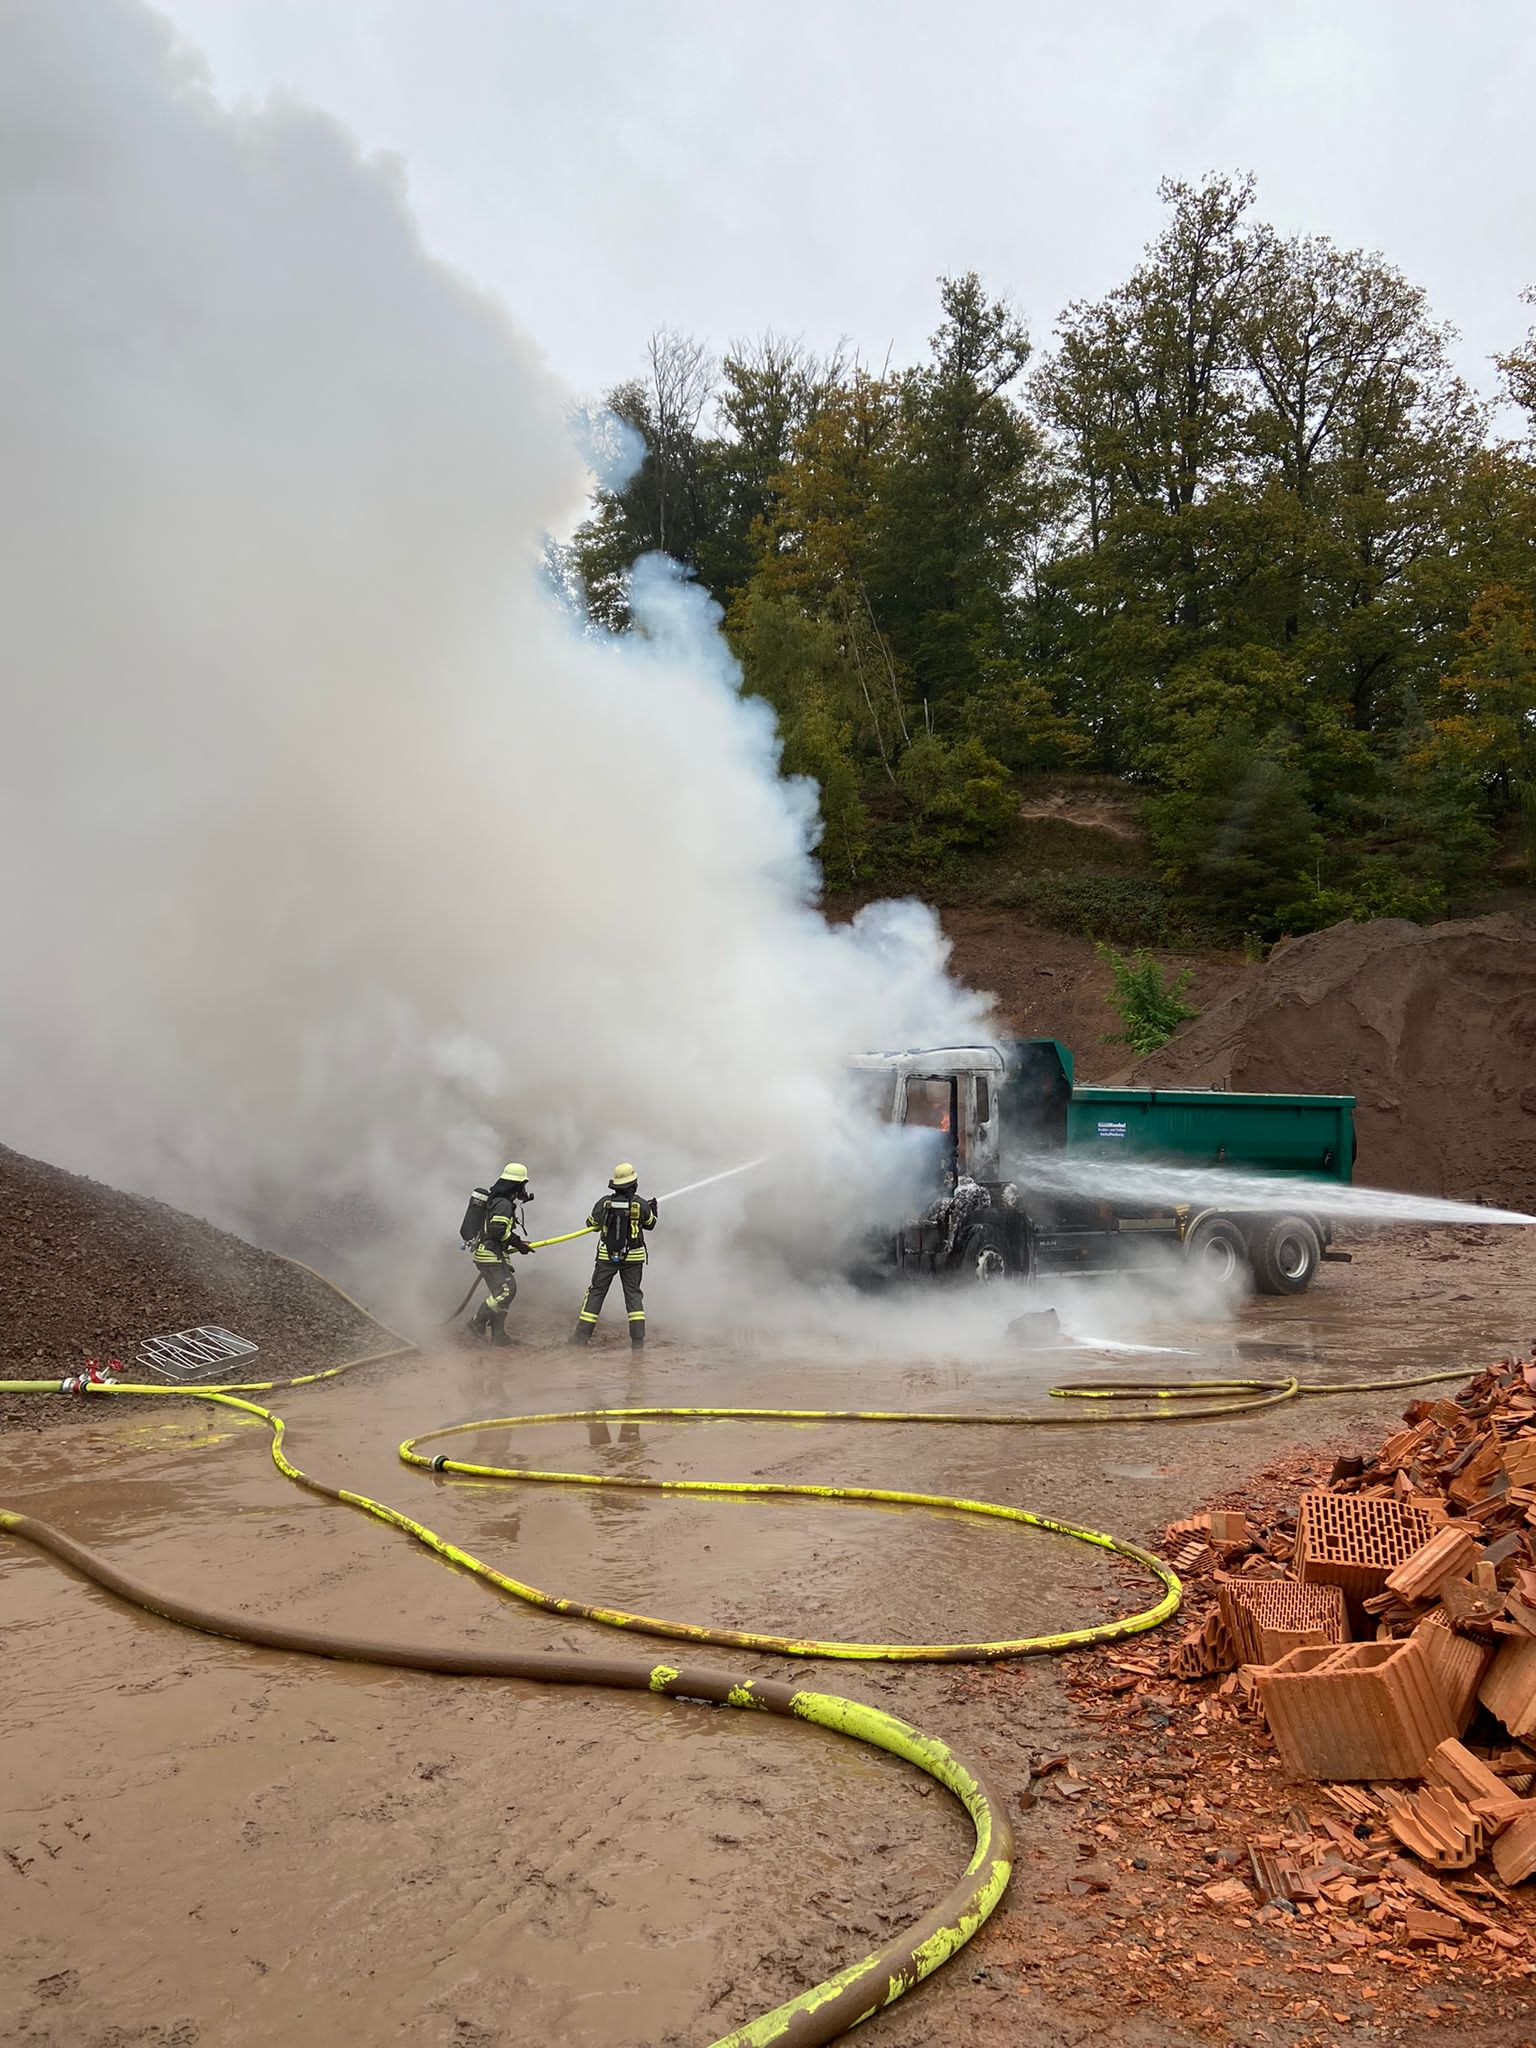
(1216, 1245)
(984, 1253)
(1285, 1251)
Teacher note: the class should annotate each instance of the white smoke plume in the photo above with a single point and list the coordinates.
(339, 866)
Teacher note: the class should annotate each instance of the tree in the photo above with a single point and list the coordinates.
(816, 545)
(1264, 438)
(1488, 721)
(796, 663)
(963, 497)
(770, 390)
(1252, 687)
(1519, 370)
(1237, 833)
(1143, 401)
(682, 380)
(1356, 412)
(662, 504)
(1142, 393)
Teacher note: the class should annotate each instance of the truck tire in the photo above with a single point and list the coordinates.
(1285, 1251)
(984, 1253)
(1216, 1245)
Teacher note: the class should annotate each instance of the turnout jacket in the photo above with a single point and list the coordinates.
(501, 1234)
(621, 1222)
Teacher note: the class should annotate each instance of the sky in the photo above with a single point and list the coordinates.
(813, 166)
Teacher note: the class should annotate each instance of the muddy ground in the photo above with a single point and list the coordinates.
(204, 1844)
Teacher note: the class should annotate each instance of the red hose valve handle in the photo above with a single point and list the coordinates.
(92, 1374)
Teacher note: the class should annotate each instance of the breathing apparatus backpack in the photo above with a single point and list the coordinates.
(474, 1216)
(621, 1226)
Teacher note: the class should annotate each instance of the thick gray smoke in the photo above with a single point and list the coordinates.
(339, 867)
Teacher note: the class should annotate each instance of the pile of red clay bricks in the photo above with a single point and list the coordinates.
(1388, 1634)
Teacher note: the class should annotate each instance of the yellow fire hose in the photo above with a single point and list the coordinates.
(856, 1992)
(1253, 1393)
(793, 1646)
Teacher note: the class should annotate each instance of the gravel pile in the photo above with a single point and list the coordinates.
(88, 1272)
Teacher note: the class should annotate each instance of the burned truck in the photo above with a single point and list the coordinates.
(1026, 1172)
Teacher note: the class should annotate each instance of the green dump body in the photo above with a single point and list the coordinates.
(1307, 1135)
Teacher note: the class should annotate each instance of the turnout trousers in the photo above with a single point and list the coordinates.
(500, 1288)
(630, 1273)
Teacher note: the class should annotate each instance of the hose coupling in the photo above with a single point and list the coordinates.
(92, 1375)
(439, 1462)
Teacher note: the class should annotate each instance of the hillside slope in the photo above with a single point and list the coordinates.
(1052, 984)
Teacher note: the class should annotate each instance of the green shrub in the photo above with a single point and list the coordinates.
(1126, 910)
(1150, 1007)
(1374, 891)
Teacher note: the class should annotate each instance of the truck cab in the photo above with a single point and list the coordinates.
(956, 1093)
(952, 1090)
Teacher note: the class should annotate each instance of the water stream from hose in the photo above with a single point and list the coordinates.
(1151, 1185)
(709, 1180)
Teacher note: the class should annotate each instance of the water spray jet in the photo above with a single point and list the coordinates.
(1225, 1188)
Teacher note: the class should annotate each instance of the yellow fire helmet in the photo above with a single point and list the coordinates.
(624, 1175)
(512, 1171)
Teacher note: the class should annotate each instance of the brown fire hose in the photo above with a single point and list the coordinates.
(807, 2020)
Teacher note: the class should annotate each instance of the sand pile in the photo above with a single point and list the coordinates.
(1431, 1027)
(88, 1272)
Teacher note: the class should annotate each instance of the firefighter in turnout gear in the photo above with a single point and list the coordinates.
(500, 1237)
(621, 1218)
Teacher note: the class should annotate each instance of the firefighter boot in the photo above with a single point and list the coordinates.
(581, 1335)
(637, 1336)
(499, 1337)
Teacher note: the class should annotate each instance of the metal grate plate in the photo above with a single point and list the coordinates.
(194, 1354)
